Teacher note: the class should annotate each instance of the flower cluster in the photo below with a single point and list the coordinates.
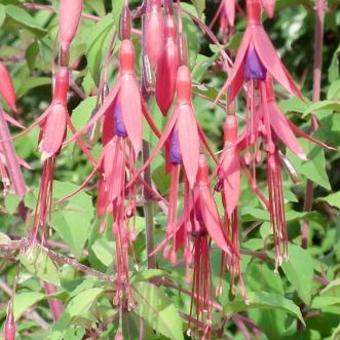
(194, 222)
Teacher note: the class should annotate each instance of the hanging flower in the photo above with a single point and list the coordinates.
(167, 67)
(6, 88)
(153, 32)
(10, 170)
(256, 57)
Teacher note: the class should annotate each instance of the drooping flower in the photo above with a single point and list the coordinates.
(127, 94)
(153, 32)
(69, 17)
(167, 67)
(10, 326)
(265, 127)
(56, 306)
(54, 121)
(10, 170)
(256, 57)
(6, 88)
(229, 8)
(229, 184)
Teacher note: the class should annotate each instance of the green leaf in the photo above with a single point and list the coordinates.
(332, 199)
(321, 106)
(104, 251)
(32, 83)
(2, 14)
(82, 302)
(23, 301)
(313, 169)
(264, 300)
(333, 71)
(37, 262)
(200, 6)
(154, 307)
(73, 220)
(11, 203)
(97, 44)
(148, 274)
(22, 17)
(82, 113)
(299, 271)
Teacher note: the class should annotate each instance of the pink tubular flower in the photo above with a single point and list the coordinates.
(265, 126)
(269, 6)
(56, 306)
(54, 121)
(256, 57)
(10, 326)
(229, 8)
(167, 67)
(126, 94)
(6, 88)
(229, 175)
(153, 32)
(9, 162)
(69, 17)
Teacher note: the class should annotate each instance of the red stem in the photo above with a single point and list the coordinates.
(320, 7)
(12, 165)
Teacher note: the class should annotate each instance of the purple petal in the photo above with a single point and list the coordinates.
(175, 152)
(119, 127)
(254, 69)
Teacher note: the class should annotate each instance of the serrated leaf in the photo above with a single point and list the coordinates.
(82, 302)
(104, 250)
(264, 300)
(23, 18)
(313, 169)
(37, 262)
(332, 199)
(299, 271)
(97, 44)
(23, 301)
(73, 220)
(321, 106)
(2, 14)
(154, 307)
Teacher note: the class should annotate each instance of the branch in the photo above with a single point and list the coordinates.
(320, 9)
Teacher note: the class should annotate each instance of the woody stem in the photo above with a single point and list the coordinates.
(148, 210)
(320, 6)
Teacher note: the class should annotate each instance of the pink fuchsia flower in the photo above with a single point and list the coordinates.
(6, 88)
(256, 57)
(264, 129)
(10, 326)
(126, 94)
(9, 162)
(269, 6)
(69, 17)
(167, 67)
(54, 121)
(153, 32)
(229, 9)
(229, 184)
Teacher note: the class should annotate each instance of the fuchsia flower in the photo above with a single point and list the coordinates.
(153, 32)
(10, 326)
(167, 67)
(229, 9)
(265, 127)
(53, 122)
(229, 184)
(9, 162)
(69, 17)
(7, 89)
(256, 57)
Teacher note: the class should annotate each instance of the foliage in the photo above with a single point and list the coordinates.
(300, 300)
